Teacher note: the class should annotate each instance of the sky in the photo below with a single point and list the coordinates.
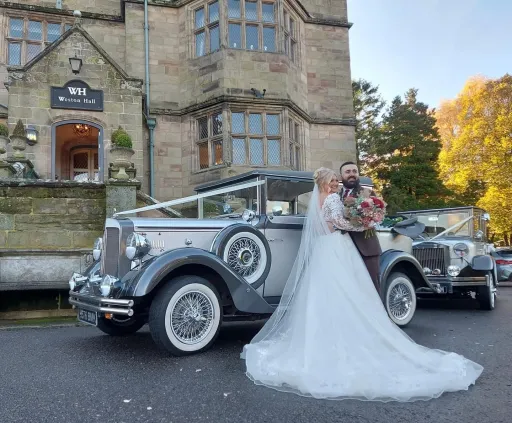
(431, 45)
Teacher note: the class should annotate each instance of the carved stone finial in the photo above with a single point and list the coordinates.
(78, 17)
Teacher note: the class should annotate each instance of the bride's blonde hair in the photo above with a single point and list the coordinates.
(323, 176)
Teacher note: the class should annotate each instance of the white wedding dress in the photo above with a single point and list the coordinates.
(331, 337)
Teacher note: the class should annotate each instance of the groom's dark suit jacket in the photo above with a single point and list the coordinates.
(369, 248)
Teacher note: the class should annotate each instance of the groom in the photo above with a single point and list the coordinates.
(369, 248)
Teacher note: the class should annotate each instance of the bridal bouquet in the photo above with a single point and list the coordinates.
(365, 210)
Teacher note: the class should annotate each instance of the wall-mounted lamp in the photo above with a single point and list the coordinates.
(32, 134)
(76, 64)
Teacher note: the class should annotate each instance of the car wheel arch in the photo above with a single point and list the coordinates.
(408, 269)
(200, 270)
(398, 261)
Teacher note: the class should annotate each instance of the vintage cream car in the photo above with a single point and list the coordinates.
(454, 252)
(230, 261)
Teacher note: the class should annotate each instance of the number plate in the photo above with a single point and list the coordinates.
(89, 317)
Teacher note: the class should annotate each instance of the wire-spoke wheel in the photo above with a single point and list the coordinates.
(245, 253)
(400, 299)
(192, 317)
(185, 316)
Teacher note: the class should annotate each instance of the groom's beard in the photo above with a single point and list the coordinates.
(351, 183)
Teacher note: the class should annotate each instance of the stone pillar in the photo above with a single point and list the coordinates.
(121, 196)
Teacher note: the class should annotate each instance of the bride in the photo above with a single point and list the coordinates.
(330, 337)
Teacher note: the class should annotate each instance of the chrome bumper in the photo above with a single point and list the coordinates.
(460, 281)
(101, 305)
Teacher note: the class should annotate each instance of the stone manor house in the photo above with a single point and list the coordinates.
(204, 88)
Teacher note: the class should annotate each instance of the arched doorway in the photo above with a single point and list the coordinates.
(77, 151)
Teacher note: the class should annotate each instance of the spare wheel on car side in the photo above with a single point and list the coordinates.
(186, 315)
(246, 251)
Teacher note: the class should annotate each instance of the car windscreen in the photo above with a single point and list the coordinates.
(288, 197)
(232, 202)
(437, 222)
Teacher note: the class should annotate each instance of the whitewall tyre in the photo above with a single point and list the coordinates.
(400, 299)
(185, 316)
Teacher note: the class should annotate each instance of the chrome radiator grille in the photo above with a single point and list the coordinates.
(110, 255)
(431, 257)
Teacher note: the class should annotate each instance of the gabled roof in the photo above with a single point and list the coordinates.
(76, 28)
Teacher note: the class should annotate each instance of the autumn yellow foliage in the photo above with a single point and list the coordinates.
(476, 135)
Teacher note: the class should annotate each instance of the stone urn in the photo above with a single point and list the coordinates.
(121, 158)
(18, 144)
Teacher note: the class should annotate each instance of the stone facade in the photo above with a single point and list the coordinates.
(233, 85)
(312, 87)
(29, 97)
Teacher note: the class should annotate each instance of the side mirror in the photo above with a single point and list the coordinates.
(486, 217)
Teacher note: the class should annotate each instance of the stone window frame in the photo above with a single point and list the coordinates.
(209, 140)
(295, 133)
(260, 23)
(281, 8)
(24, 41)
(290, 27)
(248, 136)
(207, 27)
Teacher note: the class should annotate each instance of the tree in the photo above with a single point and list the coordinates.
(476, 133)
(368, 106)
(403, 155)
(497, 202)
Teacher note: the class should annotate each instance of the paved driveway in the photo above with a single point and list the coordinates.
(78, 375)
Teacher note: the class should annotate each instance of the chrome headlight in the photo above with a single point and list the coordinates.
(453, 270)
(137, 246)
(107, 284)
(76, 280)
(97, 249)
(461, 249)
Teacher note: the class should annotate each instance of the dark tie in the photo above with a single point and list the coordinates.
(345, 193)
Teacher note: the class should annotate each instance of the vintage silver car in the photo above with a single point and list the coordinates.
(454, 252)
(185, 276)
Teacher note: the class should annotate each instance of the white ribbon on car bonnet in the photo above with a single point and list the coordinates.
(192, 198)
